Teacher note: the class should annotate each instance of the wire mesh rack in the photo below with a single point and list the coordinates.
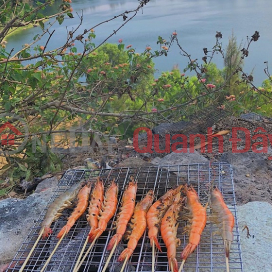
(208, 257)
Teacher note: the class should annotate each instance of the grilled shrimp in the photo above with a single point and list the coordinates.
(169, 228)
(138, 225)
(95, 205)
(198, 221)
(156, 212)
(223, 218)
(56, 207)
(108, 210)
(83, 197)
(128, 204)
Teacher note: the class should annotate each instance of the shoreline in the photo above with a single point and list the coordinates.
(17, 30)
(14, 31)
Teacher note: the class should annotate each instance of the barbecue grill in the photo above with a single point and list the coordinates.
(208, 257)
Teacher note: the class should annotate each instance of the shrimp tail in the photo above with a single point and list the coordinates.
(91, 233)
(227, 245)
(155, 240)
(173, 262)
(126, 253)
(46, 232)
(187, 251)
(65, 229)
(115, 239)
(95, 233)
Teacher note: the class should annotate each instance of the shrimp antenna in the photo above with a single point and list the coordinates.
(86, 254)
(108, 260)
(32, 249)
(124, 264)
(53, 252)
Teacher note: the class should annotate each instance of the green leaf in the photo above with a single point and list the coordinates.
(35, 37)
(91, 35)
(4, 169)
(74, 50)
(32, 82)
(7, 106)
(38, 76)
(52, 166)
(70, 15)
(25, 54)
(41, 24)
(60, 19)
(22, 167)
(38, 64)
(5, 191)
(28, 174)
(26, 7)
(121, 46)
(17, 76)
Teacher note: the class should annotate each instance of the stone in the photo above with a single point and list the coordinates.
(256, 250)
(133, 162)
(252, 116)
(250, 171)
(50, 183)
(91, 163)
(19, 215)
(113, 140)
(170, 128)
(180, 158)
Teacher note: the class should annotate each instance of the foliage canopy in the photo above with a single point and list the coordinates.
(107, 88)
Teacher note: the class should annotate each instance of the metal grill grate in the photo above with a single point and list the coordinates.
(208, 257)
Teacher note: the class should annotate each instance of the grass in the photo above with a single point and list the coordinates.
(17, 30)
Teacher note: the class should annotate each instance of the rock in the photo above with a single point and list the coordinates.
(133, 162)
(142, 136)
(104, 163)
(19, 215)
(250, 171)
(146, 155)
(91, 163)
(113, 140)
(180, 158)
(170, 128)
(256, 250)
(49, 183)
(29, 186)
(252, 116)
(80, 167)
(156, 160)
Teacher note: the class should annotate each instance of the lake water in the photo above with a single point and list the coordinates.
(195, 21)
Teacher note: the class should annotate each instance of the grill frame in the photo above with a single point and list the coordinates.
(208, 257)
